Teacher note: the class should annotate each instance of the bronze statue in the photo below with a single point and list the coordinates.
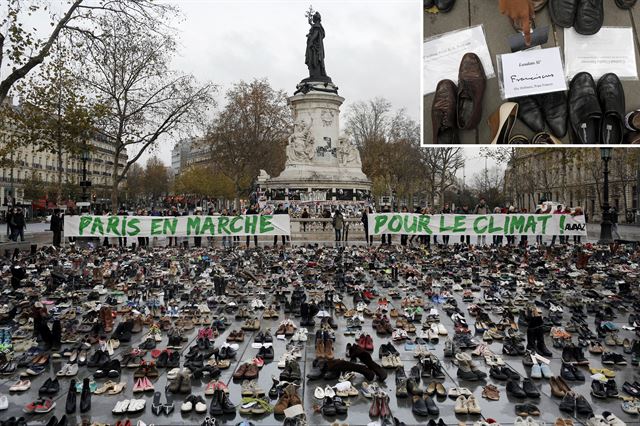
(314, 57)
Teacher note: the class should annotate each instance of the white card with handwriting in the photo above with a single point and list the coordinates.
(532, 72)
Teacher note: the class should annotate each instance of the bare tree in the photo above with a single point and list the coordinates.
(250, 134)
(143, 99)
(22, 50)
(442, 165)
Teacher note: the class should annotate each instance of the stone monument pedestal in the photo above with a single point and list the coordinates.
(319, 160)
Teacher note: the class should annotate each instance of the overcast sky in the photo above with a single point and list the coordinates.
(372, 48)
(475, 163)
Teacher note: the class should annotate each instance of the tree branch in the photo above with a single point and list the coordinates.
(36, 60)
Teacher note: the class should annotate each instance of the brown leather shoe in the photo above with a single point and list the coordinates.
(443, 113)
(240, 372)
(282, 404)
(328, 349)
(251, 372)
(320, 348)
(471, 84)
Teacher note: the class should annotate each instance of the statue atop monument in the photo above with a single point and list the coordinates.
(314, 57)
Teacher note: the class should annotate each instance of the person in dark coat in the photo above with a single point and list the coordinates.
(280, 210)
(57, 225)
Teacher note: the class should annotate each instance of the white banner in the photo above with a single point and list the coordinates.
(176, 226)
(476, 224)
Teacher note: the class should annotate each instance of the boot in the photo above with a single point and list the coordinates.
(56, 335)
(45, 333)
(355, 351)
(107, 319)
(328, 348)
(85, 396)
(339, 366)
(541, 347)
(70, 406)
(320, 350)
(304, 313)
(535, 324)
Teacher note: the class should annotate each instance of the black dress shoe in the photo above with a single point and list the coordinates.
(625, 4)
(419, 406)
(585, 114)
(611, 97)
(445, 6)
(427, 4)
(589, 17)
(563, 12)
(554, 109)
(530, 113)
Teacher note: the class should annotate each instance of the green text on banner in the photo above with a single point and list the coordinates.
(178, 226)
(476, 224)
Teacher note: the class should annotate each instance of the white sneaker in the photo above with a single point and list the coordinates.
(318, 393)
(531, 421)
(4, 402)
(329, 392)
(596, 420)
(461, 405)
(612, 419)
(472, 405)
(520, 422)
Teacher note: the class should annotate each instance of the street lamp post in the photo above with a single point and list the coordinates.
(84, 183)
(606, 225)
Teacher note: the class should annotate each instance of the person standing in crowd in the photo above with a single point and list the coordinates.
(464, 239)
(511, 239)
(279, 210)
(577, 239)
(365, 223)
(57, 224)
(326, 214)
(253, 209)
(496, 240)
(19, 224)
(338, 224)
(226, 241)
(524, 239)
(386, 238)
(197, 241)
(305, 215)
(404, 238)
(446, 210)
(481, 208)
(235, 238)
(9, 219)
(345, 230)
(558, 210)
(613, 213)
(122, 241)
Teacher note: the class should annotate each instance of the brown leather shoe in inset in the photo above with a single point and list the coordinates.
(443, 113)
(471, 85)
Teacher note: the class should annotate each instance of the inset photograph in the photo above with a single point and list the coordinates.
(542, 72)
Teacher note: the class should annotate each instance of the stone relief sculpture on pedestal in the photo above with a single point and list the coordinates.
(348, 154)
(300, 149)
